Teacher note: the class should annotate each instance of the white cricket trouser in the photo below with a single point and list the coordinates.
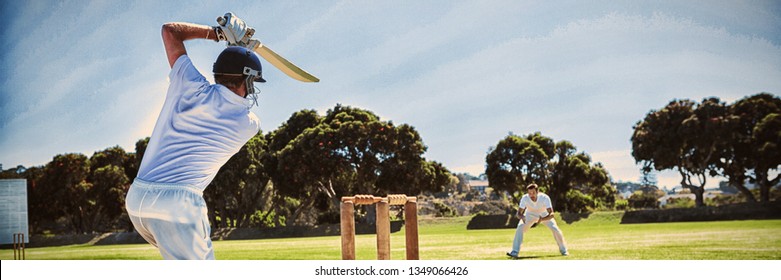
(530, 220)
(171, 217)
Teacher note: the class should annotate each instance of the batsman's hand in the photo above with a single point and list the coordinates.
(234, 29)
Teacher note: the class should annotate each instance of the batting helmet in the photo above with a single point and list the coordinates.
(237, 60)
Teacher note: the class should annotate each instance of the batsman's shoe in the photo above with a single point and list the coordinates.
(565, 253)
(512, 255)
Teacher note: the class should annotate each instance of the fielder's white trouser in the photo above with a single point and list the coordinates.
(530, 220)
(171, 217)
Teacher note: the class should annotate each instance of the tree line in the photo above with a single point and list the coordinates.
(740, 141)
(297, 173)
(292, 175)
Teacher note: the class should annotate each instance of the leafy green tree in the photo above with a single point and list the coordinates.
(518, 161)
(683, 136)
(139, 155)
(237, 191)
(349, 151)
(754, 146)
(39, 212)
(110, 182)
(292, 128)
(115, 156)
(572, 181)
(64, 188)
(106, 199)
(645, 197)
(576, 183)
(640, 200)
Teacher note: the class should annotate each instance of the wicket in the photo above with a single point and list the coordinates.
(383, 224)
(19, 246)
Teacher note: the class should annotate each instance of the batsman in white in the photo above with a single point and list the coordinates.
(199, 128)
(536, 207)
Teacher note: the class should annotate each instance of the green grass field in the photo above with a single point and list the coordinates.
(599, 237)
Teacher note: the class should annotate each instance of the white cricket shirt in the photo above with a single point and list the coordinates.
(539, 208)
(200, 127)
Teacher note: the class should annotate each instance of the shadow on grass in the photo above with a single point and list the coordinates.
(533, 257)
(511, 221)
(573, 217)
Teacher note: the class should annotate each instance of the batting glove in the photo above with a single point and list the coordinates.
(234, 30)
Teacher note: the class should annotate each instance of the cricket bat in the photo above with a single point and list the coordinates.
(281, 63)
(272, 57)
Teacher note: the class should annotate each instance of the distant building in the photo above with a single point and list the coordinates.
(478, 185)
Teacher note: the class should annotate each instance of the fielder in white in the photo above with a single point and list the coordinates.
(534, 208)
(199, 128)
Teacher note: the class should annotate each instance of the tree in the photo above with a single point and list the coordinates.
(518, 161)
(348, 151)
(115, 156)
(568, 177)
(63, 188)
(237, 191)
(683, 136)
(576, 183)
(754, 144)
(463, 182)
(106, 199)
(139, 155)
(12, 173)
(727, 188)
(648, 177)
(39, 211)
(641, 199)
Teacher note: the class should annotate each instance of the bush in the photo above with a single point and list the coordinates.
(577, 202)
(679, 202)
(640, 200)
(493, 207)
(725, 199)
(622, 204)
(472, 195)
(443, 210)
(265, 219)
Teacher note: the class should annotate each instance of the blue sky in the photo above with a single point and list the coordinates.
(81, 76)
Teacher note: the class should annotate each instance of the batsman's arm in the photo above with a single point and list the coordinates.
(175, 33)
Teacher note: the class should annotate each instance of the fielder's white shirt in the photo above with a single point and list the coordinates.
(200, 127)
(538, 208)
